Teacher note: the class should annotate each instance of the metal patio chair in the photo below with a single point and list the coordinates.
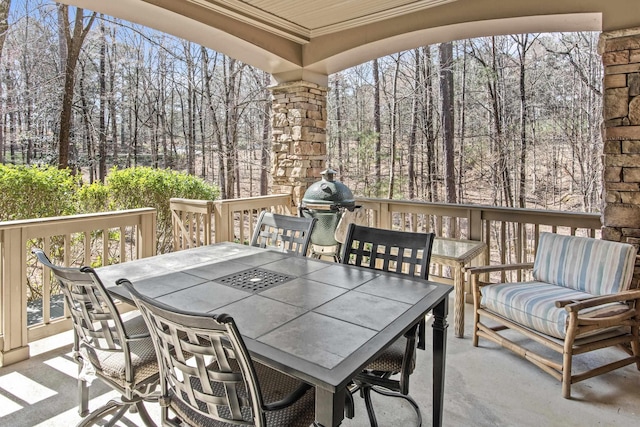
(207, 377)
(404, 253)
(120, 352)
(283, 232)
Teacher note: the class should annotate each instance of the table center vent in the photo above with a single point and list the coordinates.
(254, 280)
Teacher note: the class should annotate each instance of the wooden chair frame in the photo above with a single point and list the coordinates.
(600, 328)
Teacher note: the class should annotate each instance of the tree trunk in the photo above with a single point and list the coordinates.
(102, 126)
(87, 126)
(503, 158)
(342, 165)
(414, 126)
(218, 130)
(5, 5)
(265, 152)
(376, 124)
(463, 110)
(432, 183)
(190, 114)
(112, 100)
(231, 123)
(523, 47)
(73, 44)
(394, 130)
(446, 91)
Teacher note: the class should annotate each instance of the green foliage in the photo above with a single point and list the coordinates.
(44, 191)
(148, 187)
(94, 197)
(36, 192)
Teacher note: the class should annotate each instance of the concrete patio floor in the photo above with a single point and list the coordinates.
(485, 386)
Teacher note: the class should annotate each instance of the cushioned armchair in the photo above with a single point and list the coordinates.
(578, 301)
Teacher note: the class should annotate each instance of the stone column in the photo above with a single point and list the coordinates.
(621, 135)
(621, 109)
(298, 138)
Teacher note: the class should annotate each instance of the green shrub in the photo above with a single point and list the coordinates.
(148, 187)
(44, 191)
(36, 192)
(94, 197)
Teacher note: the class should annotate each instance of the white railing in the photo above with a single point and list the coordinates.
(106, 238)
(511, 234)
(93, 239)
(232, 220)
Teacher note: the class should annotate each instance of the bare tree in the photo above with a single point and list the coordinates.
(376, 123)
(448, 111)
(5, 5)
(415, 116)
(342, 165)
(429, 132)
(102, 125)
(73, 44)
(265, 147)
(524, 44)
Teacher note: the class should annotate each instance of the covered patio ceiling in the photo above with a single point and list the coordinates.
(308, 40)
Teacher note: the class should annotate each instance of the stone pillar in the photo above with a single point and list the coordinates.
(621, 135)
(621, 161)
(298, 126)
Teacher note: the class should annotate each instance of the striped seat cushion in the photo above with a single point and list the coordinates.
(532, 304)
(597, 267)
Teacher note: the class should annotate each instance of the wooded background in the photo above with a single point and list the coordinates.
(506, 121)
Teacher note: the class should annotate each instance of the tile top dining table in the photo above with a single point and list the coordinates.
(315, 320)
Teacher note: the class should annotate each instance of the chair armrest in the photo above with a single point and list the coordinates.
(578, 305)
(288, 400)
(502, 267)
(137, 337)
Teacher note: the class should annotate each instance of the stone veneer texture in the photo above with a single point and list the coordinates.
(621, 135)
(298, 137)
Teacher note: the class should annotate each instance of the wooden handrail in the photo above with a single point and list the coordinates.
(90, 239)
(510, 233)
(235, 219)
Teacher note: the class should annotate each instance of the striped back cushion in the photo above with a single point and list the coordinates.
(595, 266)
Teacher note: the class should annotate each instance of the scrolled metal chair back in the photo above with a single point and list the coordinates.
(282, 232)
(400, 252)
(95, 317)
(205, 369)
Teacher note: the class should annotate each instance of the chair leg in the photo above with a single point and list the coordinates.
(118, 408)
(635, 345)
(365, 391)
(406, 397)
(144, 415)
(476, 306)
(107, 409)
(567, 360)
(83, 398)
(116, 417)
(349, 405)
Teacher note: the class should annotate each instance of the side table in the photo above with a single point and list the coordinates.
(457, 254)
